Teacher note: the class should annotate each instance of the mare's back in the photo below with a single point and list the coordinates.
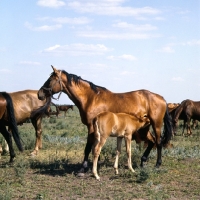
(135, 101)
(24, 102)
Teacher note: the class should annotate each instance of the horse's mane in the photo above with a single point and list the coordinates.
(76, 79)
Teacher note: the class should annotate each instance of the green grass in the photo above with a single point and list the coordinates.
(52, 174)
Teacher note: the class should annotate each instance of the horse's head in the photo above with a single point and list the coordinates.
(52, 86)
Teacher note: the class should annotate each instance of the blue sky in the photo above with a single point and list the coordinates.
(122, 45)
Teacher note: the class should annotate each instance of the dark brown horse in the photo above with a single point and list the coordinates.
(26, 106)
(92, 99)
(7, 118)
(187, 110)
(64, 108)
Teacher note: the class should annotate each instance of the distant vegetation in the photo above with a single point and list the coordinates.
(52, 174)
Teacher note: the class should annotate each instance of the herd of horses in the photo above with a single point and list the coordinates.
(123, 115)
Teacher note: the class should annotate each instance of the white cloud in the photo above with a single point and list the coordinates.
(4, 70)
(167, 49)
(193, 43)
(29, 63)
(77, 49)
(105, 7)
(127, 73)
(178, 79)
(115, 35)
(122, 57)
(128, 57)
(44, 27)
(67, 20)
(51, 3)
(125, 25)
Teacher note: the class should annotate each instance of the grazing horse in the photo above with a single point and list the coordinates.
(7, 118)
(27, 106)
(91, 100)
(64, 108)
(172, 106)
(187, 110)
(120, 125)
(172, 109)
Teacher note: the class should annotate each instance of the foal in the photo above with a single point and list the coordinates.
(118, 125)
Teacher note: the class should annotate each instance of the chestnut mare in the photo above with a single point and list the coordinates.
(7, 118)
(120, 125)
(92, 99)
(26, 106)
(187, 110)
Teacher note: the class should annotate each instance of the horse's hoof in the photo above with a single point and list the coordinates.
(33, 154)
(80, 174)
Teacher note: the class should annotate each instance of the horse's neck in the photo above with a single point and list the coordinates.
(80, 94)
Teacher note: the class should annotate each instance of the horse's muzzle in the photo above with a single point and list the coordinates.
(41, 95)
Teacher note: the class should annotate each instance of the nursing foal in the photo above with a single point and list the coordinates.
(118, 125)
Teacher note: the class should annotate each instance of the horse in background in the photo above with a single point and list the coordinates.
(91, 100)
(64, 108)
(186, 111)
(27, 106)
(7, 118)
(120, 125)
(50, 112)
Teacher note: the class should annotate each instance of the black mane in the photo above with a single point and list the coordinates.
(77, 79)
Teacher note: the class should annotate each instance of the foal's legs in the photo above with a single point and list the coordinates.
(96, 152)
(8, 137)
(119, 144)
(128, 151)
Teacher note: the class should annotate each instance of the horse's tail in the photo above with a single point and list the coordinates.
(96, 129)
(12, 120)
(177, 113)
(167, 132)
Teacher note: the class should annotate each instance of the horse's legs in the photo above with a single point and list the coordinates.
(6, 148)
(96, 152)
(128, 151)
(189, 131)
(8, 137)
(38, 133)
(65, 114)
(184, 125)
(88, 148)
(119, 144)
(146, 153)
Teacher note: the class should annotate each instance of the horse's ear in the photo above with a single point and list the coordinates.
(54, 69)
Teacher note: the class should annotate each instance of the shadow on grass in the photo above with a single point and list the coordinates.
(60, 168)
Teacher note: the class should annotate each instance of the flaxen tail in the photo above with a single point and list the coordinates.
(167, 132)
(96, 129)
(12, 120)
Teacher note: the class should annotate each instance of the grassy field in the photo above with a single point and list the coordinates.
(53, 173)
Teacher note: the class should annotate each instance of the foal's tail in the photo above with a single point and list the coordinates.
(167, 132)
(96, 129)
(12, 120)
